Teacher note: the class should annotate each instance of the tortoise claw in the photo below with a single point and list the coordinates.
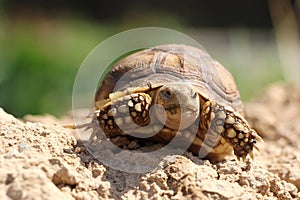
(256, 147)
(251, 155)
(256, 136)
(234, 129)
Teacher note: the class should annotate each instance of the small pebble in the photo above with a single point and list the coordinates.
(11, 153)
(23, 147)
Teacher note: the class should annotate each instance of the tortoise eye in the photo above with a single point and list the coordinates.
(167, 94)
(194, 95)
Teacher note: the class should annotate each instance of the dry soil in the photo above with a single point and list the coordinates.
(39, 159)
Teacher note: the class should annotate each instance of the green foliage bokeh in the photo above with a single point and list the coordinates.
(39, 64)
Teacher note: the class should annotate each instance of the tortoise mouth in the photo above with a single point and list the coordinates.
(181, 121)
(175, 119)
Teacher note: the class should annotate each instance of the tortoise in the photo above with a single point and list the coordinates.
(182, 89)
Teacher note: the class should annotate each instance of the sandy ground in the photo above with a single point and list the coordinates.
(39, 159)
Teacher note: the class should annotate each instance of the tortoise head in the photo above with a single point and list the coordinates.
(180, 102)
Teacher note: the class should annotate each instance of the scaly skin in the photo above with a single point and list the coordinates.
(129, 113)
(125, 113)
(224, 121)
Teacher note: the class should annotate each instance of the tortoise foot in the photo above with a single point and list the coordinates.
(230, 125)
(125, 113)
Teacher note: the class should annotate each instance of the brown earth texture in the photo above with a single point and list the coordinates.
(39, 159)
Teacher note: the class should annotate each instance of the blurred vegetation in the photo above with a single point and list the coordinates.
(39, 63)
(40, 54)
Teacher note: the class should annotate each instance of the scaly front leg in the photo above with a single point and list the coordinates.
(224, 121)
(124, 114)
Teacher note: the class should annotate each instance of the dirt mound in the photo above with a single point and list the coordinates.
(45, 161)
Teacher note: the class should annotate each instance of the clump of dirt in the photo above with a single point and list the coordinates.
(46, 161)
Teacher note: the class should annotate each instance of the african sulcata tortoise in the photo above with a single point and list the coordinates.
(192, 95)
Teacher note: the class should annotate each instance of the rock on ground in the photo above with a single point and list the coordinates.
(45, 161)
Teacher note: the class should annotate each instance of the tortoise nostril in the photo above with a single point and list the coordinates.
(194, 95)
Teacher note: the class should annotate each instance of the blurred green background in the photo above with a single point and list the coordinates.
(42, 43)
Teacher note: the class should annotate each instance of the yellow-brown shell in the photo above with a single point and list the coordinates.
(167, 63)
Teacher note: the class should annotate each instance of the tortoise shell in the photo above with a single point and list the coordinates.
(172, 63)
